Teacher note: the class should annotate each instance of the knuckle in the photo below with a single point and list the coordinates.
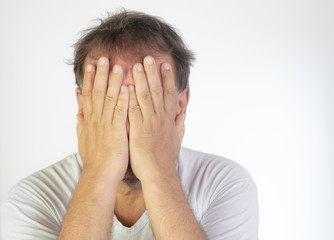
(97, 92)
(119, 109)
(94, 121)
(86, 123)
(156, 90)
(107, 126)
(163, 122)
(105, 123)
(170, 92)
(134, 108)
(87, 118)
(146, 96)
(86, 93)
(110, 99)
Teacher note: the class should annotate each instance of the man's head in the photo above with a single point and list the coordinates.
(125, 39)
(133, 35)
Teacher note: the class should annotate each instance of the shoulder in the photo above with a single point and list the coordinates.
(221, 193)
(40, 200)
(208, 179)
(211, 168)
(60, 175)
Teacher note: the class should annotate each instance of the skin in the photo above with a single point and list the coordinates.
(130, 114)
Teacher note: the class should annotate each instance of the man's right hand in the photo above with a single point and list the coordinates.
(101, 129)
(103, 147)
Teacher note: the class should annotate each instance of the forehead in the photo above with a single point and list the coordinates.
(128, 60)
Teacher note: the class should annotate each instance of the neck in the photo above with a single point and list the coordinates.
(130, 204)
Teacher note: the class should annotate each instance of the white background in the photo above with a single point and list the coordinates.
(262, 94)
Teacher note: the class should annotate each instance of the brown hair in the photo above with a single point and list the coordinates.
(130, 32)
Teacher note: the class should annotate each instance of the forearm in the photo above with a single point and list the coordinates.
(90, 212)
(169, 210)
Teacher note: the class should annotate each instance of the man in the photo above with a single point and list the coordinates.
(131, 178)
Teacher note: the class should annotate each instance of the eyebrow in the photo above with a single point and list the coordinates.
(94, 57)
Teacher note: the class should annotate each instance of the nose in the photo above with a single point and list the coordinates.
(128, 78)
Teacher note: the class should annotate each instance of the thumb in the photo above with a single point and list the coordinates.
(80, 119)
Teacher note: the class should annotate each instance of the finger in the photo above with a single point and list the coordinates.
(135, 115)
(121, 109)
(80, 119)
(87, 89)
(142, 91)
(100, 86)
(154, 82)
(114, 86)
(169, 88)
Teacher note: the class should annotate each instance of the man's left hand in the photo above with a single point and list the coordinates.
(156, 130)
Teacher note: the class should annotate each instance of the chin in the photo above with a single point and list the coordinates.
(129, 177)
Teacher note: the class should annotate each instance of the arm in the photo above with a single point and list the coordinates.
(169, 210)
(103, 147)
(90, 213)
(156, 132)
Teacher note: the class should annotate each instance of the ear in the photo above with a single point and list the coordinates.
(182, 102)
(79, 100)
(181, 109)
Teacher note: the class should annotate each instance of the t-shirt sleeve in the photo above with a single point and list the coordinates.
(233, 213)
(26, 215)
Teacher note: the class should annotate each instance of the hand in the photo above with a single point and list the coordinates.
(101, 129)
(155, 133)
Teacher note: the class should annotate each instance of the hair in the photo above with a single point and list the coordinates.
(131, 33)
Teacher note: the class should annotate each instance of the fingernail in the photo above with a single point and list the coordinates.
(122, 88)
(149, 60)
(131, 88)
(102, 61)
(89, 68)
(139, 67)
(166, 66)
(116, 69)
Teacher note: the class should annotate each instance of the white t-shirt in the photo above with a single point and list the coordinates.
(220, 192)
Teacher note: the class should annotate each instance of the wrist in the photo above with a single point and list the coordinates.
(160, 180)
(99, 177)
